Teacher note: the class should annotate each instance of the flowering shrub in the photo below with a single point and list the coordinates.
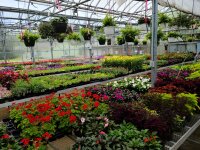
(7, 78)
(124, 136)
(110, 94)
(64, 112)
(138, 84)
(4, 92)
(141, 117)
(132, 63)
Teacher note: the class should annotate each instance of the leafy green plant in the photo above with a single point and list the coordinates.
(136, 41)
(102, 39)
(120, 40)
(108, 21)
(87, 33)
(74, 36)
(46, 30)
(163, 18)
(144, 42)
(173, 34)
(29, 38)
(59, 24)
(160, 35)
(60, 37)
(129, 33)
(144, 20)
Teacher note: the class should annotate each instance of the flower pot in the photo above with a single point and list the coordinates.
(102, 42)
(60, 27)
(29, 43)
(87, 37)
(60, 40)
(109, 30)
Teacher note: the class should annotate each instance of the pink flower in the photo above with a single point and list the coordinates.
(102, 133)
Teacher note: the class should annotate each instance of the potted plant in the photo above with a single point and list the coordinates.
(144, 42)
(74, 36)
(60, 37)
(144, 23)
(120, 40)
(163, 19)
(87, 33)
(59, 24)
(102, 39)
(160, 35)
(46, 30)
(136, 41)
(108, 41)
(129, 33)
(173, 36)
(29, 38)
(109, 25)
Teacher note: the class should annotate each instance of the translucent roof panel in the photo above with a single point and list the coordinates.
(79, 12)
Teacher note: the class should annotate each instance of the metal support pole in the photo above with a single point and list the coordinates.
(153, 62)
(51, 44)
(4, 47)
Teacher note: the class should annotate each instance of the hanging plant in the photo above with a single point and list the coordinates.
(29, 38)
(87, 33)
(173, 34)
(163, 18)
(129, 33)
(61, 37)
(102, 39)
(144, 20)
(144, 42)
(136, 42)
(46, 30)
(160, 35)
(108, 21)
(120, 40)
(74, 36)
(59, 24)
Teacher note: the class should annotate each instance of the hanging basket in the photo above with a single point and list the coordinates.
(29, 43)
(60, 40)
(87, 37)
(109, 30)
(102, 42)
(60, 27)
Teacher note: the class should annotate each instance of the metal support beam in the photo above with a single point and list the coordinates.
(154, 42)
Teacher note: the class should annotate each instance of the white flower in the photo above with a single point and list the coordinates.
(82, 120)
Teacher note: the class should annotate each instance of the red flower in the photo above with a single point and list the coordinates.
(61, 114)
(105, 97)
(31, 118)
(83, 95)
(38, 139)
(96, 104)
(36, 144)
(23, 113)
(28, 106)
(45, 119)
(72, 119)
(47, 135)
(25, 141)
(59, 108)
(146, 140)
(68, 112)
(43, 107)
(96, 96)
(5, 136)
(85, 107)
(66, 104)
(89, 93)
(102, 133)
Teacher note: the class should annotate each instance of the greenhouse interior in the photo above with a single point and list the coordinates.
(99, 75)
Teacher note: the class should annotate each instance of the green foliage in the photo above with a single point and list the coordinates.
(129, 33)
(182, 20)
(136, 41)
(120, 40)
(108, 21)
(173, 34)
(192, 101)
(46, 30)
(160, 35)
(144, 42)
(132, 63)
(163, 18)
(86, 33)
(59, 20)
(74, 36)
(60, 37)
(102, 39)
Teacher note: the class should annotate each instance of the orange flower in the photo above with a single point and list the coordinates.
(146, 140)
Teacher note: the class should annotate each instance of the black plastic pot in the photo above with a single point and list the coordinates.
(109, 42)
(102, 42)
(29, 43)
(60, 27)
(60, 40)
(87, 37)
